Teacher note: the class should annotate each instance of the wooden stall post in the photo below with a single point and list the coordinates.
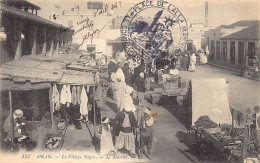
(94, 109)
(51, 106)
(12, 117)
(246, 144)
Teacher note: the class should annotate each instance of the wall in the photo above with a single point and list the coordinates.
(195, 34)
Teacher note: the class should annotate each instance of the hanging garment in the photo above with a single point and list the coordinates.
(83, 102)
(78, 95)
(63, 95)
(97, 77)
(88, 89)
(55, 98)
(74, 95)
(68, 94)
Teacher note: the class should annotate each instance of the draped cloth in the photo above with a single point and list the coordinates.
(65, 96)
(127, 101)
(55, 97)
(83, 102)
(74, 95)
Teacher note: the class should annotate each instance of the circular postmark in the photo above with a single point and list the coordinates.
(152, 28)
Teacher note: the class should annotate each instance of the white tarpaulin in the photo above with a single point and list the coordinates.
(210, 97)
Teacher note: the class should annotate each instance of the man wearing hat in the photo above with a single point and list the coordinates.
(13, 124)
(146, 131)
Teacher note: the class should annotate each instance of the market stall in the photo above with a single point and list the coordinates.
(232, 134)
(166, 89)
(46, 74)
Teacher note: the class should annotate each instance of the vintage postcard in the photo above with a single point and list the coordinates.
(130, 81)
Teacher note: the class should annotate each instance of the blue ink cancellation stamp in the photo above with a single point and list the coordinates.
(153, 28)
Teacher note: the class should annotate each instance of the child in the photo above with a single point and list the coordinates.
(106, 143)
(146, 131)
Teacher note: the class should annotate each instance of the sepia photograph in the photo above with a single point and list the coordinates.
(173, 81)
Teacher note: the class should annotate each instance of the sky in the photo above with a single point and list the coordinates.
(221, 12)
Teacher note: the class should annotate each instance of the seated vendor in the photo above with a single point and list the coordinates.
(14, 124)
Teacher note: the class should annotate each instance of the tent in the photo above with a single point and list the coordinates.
(209, 96)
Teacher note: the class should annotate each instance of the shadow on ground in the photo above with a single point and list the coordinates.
(183, 114)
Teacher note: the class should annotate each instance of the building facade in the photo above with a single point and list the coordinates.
(235, 44)
(93, 27)
(23, 32)
(195, 34)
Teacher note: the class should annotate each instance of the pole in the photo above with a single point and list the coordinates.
(245, 144)
(94, 109)
(51, 106)
(12, 117)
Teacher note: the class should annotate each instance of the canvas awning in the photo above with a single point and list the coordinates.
(71, 77)
(35, 70)
(210, 97)
(34, 75)
(7, 85)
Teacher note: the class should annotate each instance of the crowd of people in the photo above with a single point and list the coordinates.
(132, 127)
(131, 130)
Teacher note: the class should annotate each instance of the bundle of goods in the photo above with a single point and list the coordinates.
(156, 87)
(205, 122)
(182, 84)
(172, 78)
(170, 85)
(53, 142)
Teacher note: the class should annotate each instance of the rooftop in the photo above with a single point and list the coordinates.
(25, 15)
(242, 23)
(20, 4)
(252, 32)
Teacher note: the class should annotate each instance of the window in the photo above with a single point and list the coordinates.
(251, 50)
(224, 50)
(232, 52)
(212, 48)
(241, 49)
(218, 49)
